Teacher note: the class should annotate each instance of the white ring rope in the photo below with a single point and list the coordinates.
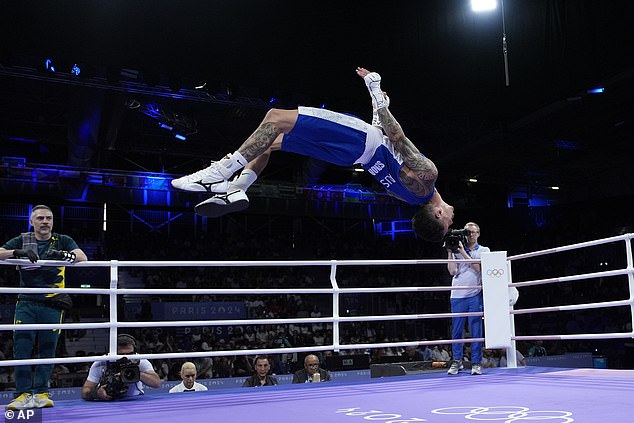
(335, 291)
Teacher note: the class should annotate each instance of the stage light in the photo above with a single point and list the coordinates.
(474, 180)
(48, 65)
(75, 70)
(599, 90)
(165, 126)
(273, 100)
(180, 137)
(483, 5)
(200, 85)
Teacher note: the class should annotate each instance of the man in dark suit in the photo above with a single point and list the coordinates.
(311, 371)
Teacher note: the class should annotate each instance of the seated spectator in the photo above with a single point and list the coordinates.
(537, 349)
(439, 353)
(489, 360)
(521, 361)
(205, 367)
(427, 353)
(189, 384)
(411, 354)
(261, 376)
(242, 365)
(311, 371)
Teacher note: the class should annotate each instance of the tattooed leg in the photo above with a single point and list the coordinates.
(275, 123)
(259, 141)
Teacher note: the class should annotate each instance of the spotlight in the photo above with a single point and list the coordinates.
(483, 5)
(75, 70)
(48, 65)
(200, 85)
(599, 90)
(180, 137)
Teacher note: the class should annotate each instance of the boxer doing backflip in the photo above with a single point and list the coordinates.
(338, 139)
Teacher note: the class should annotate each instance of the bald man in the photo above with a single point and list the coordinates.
(311, 371)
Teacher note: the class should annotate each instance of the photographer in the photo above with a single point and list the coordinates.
(107, 381)
(463, 244)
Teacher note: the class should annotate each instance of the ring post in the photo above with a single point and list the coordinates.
(511, 352)
(495, 282)
(114, 319)
(335, 305)
(630, 278)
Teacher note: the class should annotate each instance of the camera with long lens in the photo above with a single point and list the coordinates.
(118, 375)
(454, 237)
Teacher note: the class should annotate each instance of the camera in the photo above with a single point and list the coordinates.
(118, 375)
(453, 238)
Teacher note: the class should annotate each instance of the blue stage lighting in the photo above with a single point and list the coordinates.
(599, 90)
(180, 137)
(75, 70)
(49, 65)
(272, 100)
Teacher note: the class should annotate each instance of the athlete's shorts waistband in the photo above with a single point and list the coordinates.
(373, 139)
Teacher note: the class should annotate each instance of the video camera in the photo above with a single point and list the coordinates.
(118, 375)
(454, 237)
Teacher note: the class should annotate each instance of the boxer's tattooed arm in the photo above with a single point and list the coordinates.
(259, 141)
(423, 168)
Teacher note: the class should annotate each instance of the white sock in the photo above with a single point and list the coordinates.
(231, 163)
(243, 181)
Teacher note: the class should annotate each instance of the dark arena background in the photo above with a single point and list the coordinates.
(527, 111)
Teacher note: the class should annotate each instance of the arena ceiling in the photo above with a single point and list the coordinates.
(442, 66)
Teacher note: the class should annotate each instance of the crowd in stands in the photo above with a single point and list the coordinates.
(318, 242)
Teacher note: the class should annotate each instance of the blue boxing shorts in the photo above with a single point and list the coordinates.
(329, 136)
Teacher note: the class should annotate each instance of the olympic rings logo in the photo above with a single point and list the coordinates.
(495, 273)
(508, 414)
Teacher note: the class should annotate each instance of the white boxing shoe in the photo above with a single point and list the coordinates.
(220, 204)
(209, 179)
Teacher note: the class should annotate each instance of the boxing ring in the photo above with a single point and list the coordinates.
(513, 394)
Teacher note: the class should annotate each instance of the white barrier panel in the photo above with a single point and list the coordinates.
(495, 282)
